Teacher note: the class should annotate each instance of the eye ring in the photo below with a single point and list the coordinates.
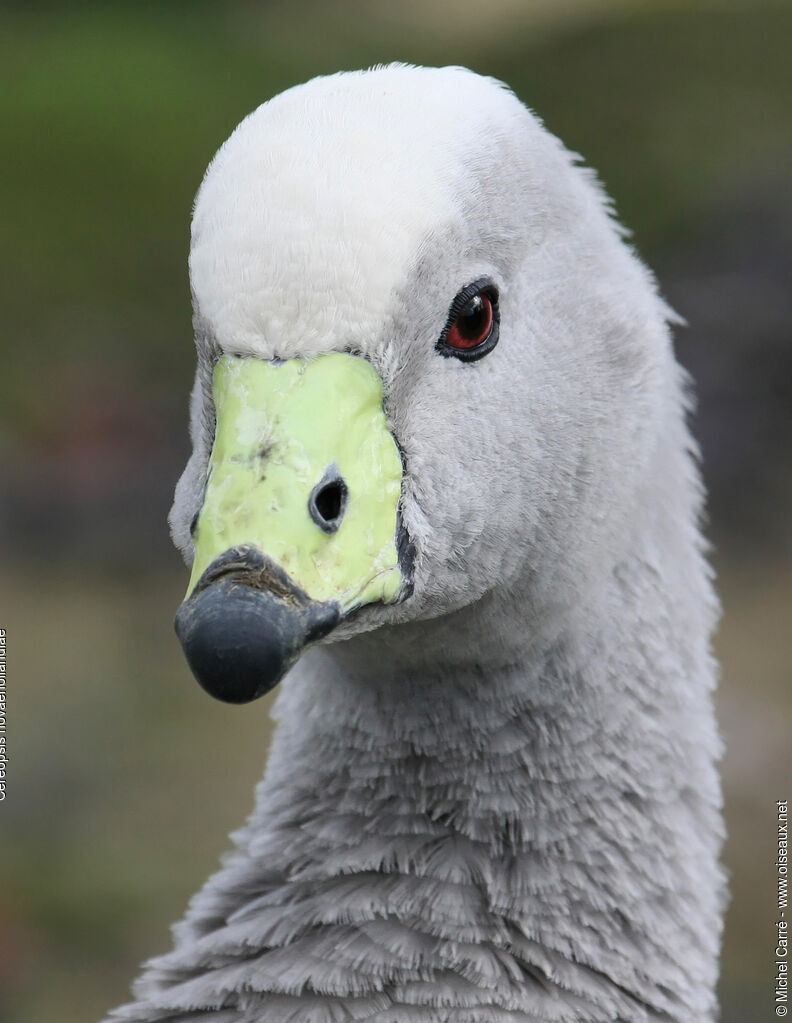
(476, 303)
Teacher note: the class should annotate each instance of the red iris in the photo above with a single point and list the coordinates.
(473, 323)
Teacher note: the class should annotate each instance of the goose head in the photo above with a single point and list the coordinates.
(429, 372)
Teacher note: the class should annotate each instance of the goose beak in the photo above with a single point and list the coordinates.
(300, 519)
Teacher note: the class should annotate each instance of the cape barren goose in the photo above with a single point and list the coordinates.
(440, 456)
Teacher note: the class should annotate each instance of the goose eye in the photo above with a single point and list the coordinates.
(471, 330)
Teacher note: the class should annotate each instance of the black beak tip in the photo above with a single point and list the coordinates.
(240, 641)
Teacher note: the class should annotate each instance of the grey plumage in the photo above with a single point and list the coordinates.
(496, 801)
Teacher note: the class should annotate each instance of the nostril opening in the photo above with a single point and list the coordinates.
(328, 503)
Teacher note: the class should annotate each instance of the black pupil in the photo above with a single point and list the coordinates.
(473, 317)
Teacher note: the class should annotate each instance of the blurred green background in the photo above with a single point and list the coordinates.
(124, 777)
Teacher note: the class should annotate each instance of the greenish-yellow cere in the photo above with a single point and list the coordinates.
(280, 426)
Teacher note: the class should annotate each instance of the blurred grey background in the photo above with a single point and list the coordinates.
(125, 778)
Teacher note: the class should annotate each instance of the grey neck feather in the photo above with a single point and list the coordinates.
(536, 841)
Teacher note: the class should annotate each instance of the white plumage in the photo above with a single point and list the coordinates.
(497, 800)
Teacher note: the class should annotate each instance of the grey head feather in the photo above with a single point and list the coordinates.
(497, 801)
